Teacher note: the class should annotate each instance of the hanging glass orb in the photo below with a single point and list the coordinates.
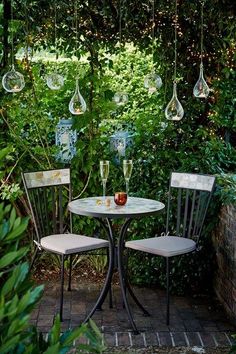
(201, 89)
(55, 81)
(77, 104)
(120, 98)
(152, 82)
(13, 81)
(174, 110)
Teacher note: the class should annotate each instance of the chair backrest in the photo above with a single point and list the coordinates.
(48, 193)
(189, 195)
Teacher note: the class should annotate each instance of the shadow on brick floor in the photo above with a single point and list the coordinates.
(194, 322)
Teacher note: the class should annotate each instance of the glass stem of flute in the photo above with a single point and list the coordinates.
(127, 185)
(104, 181)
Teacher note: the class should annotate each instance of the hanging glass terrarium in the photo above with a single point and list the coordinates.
(120, 97)
(55, 81)
(153, 81)
(13, 81)
(201, 89)
(77, 104)
(174, 110)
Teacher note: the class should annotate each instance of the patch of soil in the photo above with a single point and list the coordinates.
(44, 273)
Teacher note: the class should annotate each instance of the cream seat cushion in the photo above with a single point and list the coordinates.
(71, 243)
(166, 246)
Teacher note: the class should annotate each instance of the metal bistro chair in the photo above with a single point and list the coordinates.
(48, 193)
(191, 193)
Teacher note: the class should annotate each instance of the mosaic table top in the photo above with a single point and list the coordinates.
(97, 207)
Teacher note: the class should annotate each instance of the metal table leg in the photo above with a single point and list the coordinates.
(121, 272)
(107, 283)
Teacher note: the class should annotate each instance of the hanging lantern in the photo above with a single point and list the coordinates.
(55, 81)
(152, 82)
(119, 143)
(120, 98)
(77, 103)
(174, 110)
(66, 139)
(13, 81)
(201, 89)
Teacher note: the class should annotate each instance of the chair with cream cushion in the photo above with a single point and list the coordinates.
(48, 194)
(191, 193)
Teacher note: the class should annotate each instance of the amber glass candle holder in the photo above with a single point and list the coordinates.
(120, 198)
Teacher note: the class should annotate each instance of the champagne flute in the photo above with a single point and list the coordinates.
(104, 172)
(127, 170)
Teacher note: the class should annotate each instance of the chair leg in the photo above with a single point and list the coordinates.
(110, 290)
(62, 286)
(70, 271)
(167, 292)
(34, 258)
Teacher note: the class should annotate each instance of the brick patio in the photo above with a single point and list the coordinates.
(193, 321)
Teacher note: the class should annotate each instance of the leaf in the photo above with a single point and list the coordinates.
(18, 230)
(18, 276)
(53, 349)
(12, 257)
(12, 218)
(68, 337)
(30, 298)
(10, 345)
(54, 334)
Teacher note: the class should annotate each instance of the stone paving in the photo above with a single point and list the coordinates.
(196, 321)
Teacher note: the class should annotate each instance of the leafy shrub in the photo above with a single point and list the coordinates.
(18, 298)
(203, 142)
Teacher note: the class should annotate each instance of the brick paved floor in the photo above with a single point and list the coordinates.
(193, 321)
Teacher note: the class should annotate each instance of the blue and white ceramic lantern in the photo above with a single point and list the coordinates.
(119, 143)
(66, 139)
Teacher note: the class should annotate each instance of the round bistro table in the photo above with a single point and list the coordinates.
(105, 212)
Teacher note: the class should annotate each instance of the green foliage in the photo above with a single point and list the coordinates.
(226, 188)
(18, 298)
(203, 142)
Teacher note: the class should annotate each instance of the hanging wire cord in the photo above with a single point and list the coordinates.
(12, 45)
(76, 35)
(176, 18)
(153, 28)
(55, 28)
(202, 3)
(120, 27)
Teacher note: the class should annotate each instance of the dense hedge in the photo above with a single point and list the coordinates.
(203, 141)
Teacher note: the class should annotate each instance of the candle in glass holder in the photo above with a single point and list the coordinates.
(120, 198)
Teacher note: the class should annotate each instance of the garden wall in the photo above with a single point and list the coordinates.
(224, 239)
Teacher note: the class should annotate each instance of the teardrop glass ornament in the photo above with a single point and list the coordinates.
(77, 104)
(174, 110)
(152, 82)
(55, 81)
(201, 89)
(120, 98)
(13, 81)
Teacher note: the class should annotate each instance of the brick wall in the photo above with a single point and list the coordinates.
(224, 239)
